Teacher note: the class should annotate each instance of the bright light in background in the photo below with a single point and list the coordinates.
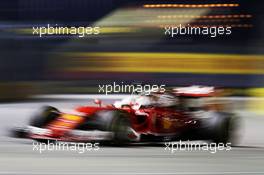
(134, 20)
(206, 16)
(188, 5)
(137, 17)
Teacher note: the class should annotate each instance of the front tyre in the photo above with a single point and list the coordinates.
(117, 122)
(45, 116)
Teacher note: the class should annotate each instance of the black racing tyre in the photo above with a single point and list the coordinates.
(220, 132)
(45, 115)
(117, 122)
(221, 128)
(227, 130)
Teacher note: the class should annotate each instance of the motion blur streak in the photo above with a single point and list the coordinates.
(229, 25)
(103, 30)
(188, 5)
(165, 62)
(206, 16)
(138, 17)
(131, 48)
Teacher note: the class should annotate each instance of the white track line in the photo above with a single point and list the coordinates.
(133, 173)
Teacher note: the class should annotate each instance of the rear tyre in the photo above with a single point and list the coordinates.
(221, 128)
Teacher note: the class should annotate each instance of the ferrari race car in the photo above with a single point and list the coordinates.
(176, 114)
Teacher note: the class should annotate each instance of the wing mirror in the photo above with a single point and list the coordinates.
(98, 102)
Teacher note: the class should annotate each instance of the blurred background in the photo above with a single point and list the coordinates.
(131, 47)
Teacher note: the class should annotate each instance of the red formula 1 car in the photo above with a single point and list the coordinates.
(177, 114)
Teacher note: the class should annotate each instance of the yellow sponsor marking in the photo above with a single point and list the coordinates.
(166, 123)
(71, 117)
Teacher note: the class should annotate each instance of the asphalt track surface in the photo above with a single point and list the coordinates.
(18, 157)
